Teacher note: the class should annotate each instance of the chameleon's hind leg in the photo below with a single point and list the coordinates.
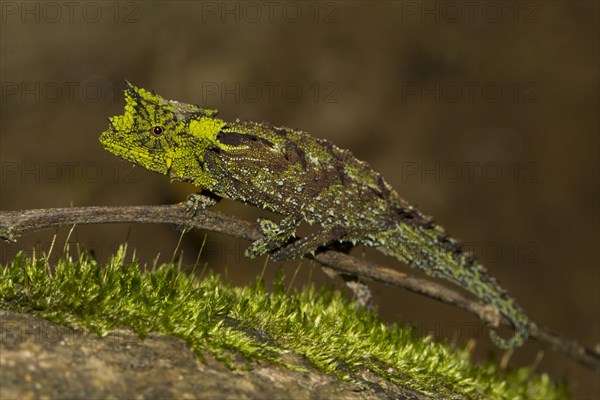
(275, 236)
(308, 244)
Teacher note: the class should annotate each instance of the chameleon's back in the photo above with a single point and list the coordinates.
(291, 172)
(331, 187)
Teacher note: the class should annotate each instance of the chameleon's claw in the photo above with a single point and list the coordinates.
(199, 202)
(267, 226)
(8, 235)
(256, 249)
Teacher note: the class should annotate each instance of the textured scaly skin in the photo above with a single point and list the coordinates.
(302, 178)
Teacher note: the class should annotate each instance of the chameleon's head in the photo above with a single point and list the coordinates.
(151, 131)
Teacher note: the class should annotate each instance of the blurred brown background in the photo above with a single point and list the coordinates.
(485, 114)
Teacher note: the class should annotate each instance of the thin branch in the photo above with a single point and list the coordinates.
(16, 223)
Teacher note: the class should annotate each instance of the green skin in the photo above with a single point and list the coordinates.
(303, 178)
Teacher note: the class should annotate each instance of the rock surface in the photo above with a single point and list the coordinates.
(41, 359)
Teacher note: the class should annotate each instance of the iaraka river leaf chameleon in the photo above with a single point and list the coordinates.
(305, 179)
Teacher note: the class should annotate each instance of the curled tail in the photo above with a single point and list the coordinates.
(521, 323)
(426, 246)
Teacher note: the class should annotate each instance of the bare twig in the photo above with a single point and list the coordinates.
(16, 223)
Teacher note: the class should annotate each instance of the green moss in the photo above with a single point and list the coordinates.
(321, 325)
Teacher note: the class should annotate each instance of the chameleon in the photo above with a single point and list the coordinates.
(303, 179)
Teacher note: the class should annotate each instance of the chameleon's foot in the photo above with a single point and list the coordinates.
(197, 202)
(7, 235)
(274, 236)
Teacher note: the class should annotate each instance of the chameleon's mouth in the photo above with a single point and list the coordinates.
(137, 157)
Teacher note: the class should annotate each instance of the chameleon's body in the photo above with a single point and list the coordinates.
(302, 178)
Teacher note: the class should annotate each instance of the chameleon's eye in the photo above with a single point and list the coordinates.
(157, 130)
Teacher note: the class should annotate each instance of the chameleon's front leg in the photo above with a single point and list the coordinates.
(274, 236)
